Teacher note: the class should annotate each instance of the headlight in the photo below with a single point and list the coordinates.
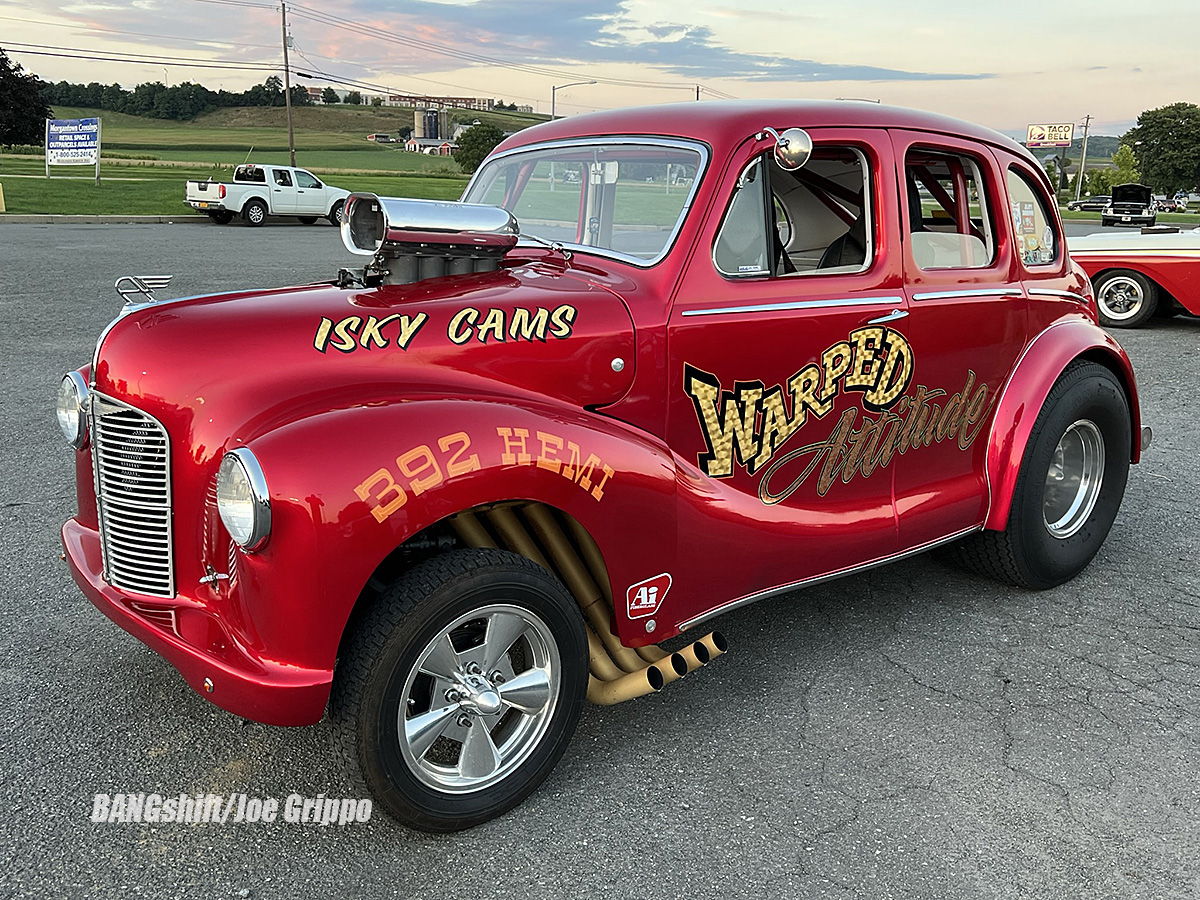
(71, 409)
(242, 499)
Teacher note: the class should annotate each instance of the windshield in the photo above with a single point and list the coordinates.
(620, 198)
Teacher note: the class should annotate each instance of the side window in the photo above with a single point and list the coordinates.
(1036, 242)
(950, 225)
(742, 247)
(305, 180)
(283, 177)
(818, 220)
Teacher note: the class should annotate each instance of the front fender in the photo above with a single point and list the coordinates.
(351, 485)
(1025, 393)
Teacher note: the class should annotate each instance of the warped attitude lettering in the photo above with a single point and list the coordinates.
(751, 423)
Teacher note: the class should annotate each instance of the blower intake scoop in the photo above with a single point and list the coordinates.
(412, 240)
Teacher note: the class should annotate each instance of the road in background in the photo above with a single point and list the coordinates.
(913, 732)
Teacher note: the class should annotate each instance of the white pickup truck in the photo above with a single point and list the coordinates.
(259, 191)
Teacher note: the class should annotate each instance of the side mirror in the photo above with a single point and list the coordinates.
(793, 147)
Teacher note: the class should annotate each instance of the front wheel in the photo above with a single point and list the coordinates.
(459, 691)
(1125, 299)
(1069, 488)
(335, 213)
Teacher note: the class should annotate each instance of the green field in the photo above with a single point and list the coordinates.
(158, 190)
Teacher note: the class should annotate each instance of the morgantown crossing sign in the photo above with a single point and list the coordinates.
(1050, 135)
(73, 142)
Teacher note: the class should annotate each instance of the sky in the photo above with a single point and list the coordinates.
(1005, 65)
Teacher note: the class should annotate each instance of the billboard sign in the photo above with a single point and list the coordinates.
(1050, 135)
(72, 142)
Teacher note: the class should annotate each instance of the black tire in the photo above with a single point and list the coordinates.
(335, 213)
(255, 213)
(385, 666)
(1028, 553)
(308, 220)
(221, 216)
(1105, 222)
(1165, 308)
(1126, 299)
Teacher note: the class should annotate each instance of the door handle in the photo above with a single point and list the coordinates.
(890, 317)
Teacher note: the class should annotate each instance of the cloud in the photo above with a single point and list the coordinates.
(592, 32)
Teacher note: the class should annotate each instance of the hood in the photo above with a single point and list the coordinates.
(1131, 193)
(227, 368)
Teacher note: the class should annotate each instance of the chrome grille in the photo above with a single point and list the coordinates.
(131, 453)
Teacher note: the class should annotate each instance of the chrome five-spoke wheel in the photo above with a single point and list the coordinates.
(479, 698)
(460, 688)
(1125, 299)
(1074, 479)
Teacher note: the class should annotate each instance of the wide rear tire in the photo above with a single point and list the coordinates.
(1069, 488)
(457, 693)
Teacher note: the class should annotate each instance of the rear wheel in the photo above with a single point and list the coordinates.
(459, 691)
(1126, 299)
(221, 217)
(255, 213)
(308, 220)
(1070, 486)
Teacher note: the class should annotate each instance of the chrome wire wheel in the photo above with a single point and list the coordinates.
(1121, 298)
(1074, 479)
(479, 699)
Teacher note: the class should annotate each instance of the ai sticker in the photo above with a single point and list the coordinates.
(644, 598)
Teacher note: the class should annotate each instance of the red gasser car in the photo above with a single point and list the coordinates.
(658, 364)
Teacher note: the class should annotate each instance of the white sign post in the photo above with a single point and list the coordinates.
(73, 142)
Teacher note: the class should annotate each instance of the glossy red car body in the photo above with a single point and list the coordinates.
(345, 427)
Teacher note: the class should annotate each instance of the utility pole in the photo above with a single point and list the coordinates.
(697, 92)
(287, 87)
(1087, 120)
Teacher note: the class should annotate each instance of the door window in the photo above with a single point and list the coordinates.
(283, 177)
(1037, 242)
(305, 180)
(813, 221)
(949, 223)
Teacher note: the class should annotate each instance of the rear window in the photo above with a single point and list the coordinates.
(950, 226)
(1033, 226)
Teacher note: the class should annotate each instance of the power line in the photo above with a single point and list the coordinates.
(139, 58)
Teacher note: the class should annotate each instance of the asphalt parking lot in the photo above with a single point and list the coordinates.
(914, 732)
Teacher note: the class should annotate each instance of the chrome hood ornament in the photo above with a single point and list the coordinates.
(141, 288)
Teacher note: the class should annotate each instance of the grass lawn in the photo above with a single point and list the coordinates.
(1189, 220)
(159, 191)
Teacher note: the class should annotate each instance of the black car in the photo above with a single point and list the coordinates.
(1095, 203)
(1131, 204)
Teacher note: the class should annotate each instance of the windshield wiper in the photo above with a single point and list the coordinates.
(553, 245)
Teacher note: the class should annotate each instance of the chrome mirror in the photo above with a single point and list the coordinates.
(793, 147)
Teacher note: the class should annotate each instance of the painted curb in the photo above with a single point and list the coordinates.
(6, 219)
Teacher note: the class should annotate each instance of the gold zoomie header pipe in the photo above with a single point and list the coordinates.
(618, 673)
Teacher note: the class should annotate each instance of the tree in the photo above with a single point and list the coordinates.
(377, 101)
(476, 143)
(300, 96)
(1166, 144)
(354, 98)
(274, 88)
(329, 95)
(23, 107)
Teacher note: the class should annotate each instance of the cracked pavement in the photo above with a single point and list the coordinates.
(913, 732)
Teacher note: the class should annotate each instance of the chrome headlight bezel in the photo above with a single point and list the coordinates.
(240, 481)
(72, 415)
